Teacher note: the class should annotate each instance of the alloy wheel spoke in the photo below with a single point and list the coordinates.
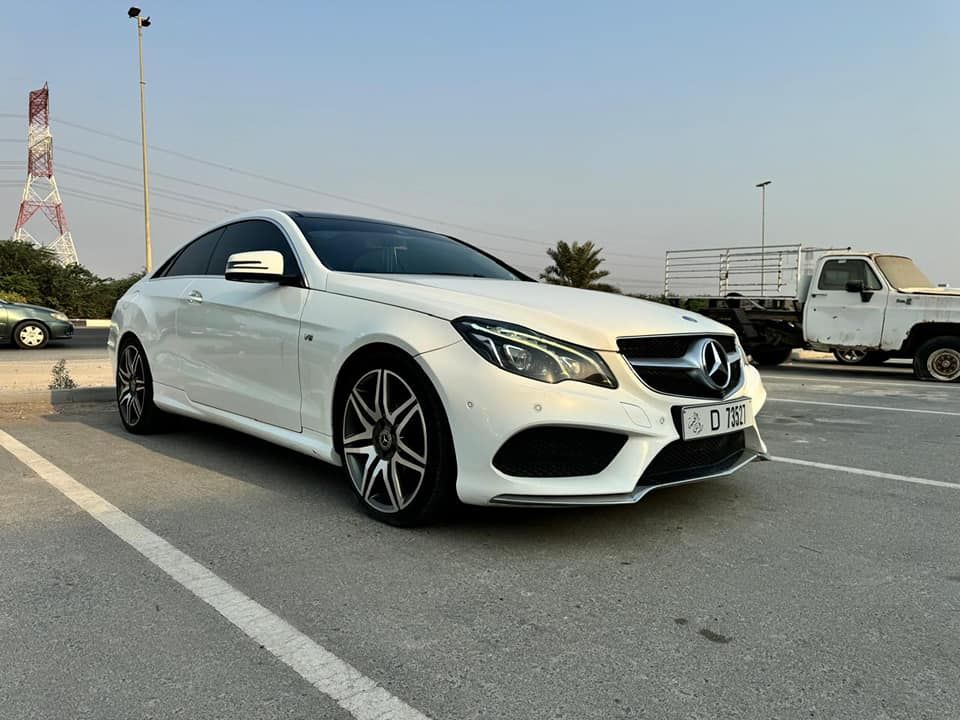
(399, 459)
(389, 484)
(404, 406)
(369, 414)
(412, 455)
(377, 468)
(354, 403)
(394, 480)
(382, 394)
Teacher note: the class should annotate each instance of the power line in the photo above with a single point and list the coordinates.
(107, 200)
(324, 193)
(160, 192)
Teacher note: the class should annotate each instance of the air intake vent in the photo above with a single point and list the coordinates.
(685, 459)
(558, 452)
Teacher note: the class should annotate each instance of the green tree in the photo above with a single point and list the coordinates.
(31, 274)
(577, 265)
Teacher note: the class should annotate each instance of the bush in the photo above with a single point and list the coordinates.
(13, 297)
(60, 378)
(31, 274)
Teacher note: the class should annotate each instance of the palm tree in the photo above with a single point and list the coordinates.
(577, 265)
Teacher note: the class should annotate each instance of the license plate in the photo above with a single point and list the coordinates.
(701, 421)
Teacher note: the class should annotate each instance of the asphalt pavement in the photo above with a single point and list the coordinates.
(86, 343)
(787, 591)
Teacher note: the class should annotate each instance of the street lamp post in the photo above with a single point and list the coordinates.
(763, 228)
(142, 22)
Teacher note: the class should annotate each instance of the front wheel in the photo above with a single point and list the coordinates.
(394, 440)
(938, 359)
(31, 335)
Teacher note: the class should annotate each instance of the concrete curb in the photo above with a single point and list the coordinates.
(84, 323)
(57, 397)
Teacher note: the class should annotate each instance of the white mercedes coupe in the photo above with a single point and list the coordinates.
(430, 369)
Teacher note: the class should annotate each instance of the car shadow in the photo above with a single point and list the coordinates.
(311, 481)
(830, 370)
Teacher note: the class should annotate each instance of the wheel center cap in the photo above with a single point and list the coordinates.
(384, 439)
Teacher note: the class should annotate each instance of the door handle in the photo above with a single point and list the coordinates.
(195, 297)
(817, 294)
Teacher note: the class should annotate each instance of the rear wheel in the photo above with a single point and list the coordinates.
(395, 443)
(31, 335)
(135, 391)
(938, 359)
(769, 356)
(849, 356)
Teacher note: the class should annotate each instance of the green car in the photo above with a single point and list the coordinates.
(30, 326)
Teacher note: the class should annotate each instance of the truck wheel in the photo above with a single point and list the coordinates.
(860, 357)
(938, 359)
(771, 355)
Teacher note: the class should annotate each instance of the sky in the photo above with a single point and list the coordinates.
(642, 126)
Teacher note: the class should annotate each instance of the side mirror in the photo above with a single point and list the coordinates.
(857, 286)
(257, 266)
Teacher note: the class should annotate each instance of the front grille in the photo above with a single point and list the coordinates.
(552, 451)
(668, 346)
(651, 357)
(688, 459)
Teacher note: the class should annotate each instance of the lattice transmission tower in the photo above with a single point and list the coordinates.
(40, 191)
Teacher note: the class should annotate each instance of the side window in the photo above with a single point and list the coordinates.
(837, 273)
(251, 235)
(194, 258)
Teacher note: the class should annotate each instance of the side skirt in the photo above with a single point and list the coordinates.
(308, 442)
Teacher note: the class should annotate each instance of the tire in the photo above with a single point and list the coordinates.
(860, 357)
(770, 356)
(938, 359)
(850, 357)
(393, 436)
(134, 383)
(31, 335)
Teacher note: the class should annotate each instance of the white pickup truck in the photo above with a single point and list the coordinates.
(856, 304)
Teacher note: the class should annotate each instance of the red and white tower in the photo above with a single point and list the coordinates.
(40, 191)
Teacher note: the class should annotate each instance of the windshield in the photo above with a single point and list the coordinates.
(363, 246)
(902, 273)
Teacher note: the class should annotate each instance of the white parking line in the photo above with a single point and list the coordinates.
(864, 407)
(868, 473)
(358, 695)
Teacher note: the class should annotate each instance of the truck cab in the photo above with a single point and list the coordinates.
(779, 298)
(878, 302)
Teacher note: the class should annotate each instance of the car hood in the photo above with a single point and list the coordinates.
(953, 292)
(35, 308)
(587, 317)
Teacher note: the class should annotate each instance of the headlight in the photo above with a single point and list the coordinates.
(524, 352)
(58, 316)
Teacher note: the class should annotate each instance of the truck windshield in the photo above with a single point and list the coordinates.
(902, 273)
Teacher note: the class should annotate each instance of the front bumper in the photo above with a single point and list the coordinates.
(486, 406)
(60, 329)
